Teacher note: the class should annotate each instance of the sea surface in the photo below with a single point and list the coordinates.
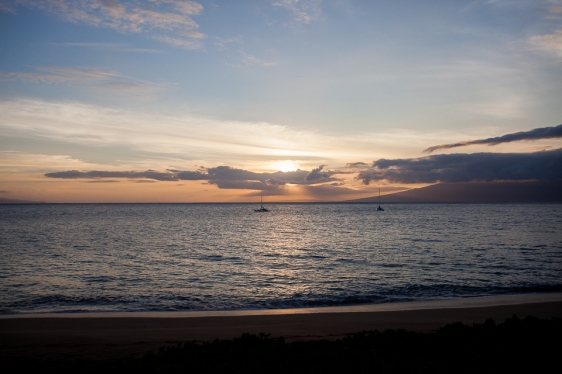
(181, 257)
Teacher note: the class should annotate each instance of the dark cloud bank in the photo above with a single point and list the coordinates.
(445, 168)
(477, 167)
(222, 176)
(463, 170)
(540, 133)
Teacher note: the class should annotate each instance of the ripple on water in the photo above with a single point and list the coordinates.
(136, 257)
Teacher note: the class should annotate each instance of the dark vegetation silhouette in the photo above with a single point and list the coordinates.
(516, 345)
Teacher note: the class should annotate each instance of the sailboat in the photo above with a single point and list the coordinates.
(262, 209)
(379, 209)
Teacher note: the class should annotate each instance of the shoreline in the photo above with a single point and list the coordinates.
(131, 335)
(468, 302)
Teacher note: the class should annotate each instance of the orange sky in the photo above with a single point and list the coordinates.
(115, 91)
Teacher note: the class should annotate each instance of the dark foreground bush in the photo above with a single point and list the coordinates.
(517, 345)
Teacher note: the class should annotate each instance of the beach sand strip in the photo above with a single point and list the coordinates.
(121, 335)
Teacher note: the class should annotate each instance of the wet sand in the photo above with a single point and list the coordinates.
(120, 335)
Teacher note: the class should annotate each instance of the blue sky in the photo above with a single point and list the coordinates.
(263, 86)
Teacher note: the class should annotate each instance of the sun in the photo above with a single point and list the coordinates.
(284, 165)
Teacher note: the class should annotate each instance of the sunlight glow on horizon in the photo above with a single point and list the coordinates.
(284, 166)
(137, 101)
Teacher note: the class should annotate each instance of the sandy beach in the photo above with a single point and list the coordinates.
(119, 335)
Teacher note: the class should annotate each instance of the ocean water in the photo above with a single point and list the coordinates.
(179, 257)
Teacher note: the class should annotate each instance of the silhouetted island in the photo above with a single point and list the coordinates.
(498, 192)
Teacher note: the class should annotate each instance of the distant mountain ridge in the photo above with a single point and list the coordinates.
(498, 192)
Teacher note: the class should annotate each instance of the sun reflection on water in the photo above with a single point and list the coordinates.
(224, 256)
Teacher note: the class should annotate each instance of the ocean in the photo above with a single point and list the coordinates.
(180, 257)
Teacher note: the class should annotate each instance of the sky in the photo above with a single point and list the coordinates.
(310, 100)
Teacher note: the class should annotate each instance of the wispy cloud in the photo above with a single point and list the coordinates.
(5, 7)
(549, 42)
(192, 137)
(491, 89)
(95, 174)
(302, 11)
(556, 10)
(151, 137)
(21, 162)
(540, 133)
(57, 74)
(357, 165)
(103, 181)
(498, 87)
(114, 47)
(477, 167)
(169, 21)
(184, 6)
(248, 59)
(178, 42)
(223, 42)
(89, 78)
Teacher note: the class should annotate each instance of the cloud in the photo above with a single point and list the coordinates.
(186, 7)
(14, 162)
(493, 89)
(222, 42)
(357, 165)
(303, 11)
(244, 185)
(90, 78)
(221, 176)
(555, 10)
(178, 42)
(169, 21)
(549, 42)
(318, 176)
(478, 167)
(300, 177)
(95, 174)
(181, 138)
(191, 175)
(539, 133)
(5, 7)
(103, 181)
(252, 60)
(117, 47)
(203, 140)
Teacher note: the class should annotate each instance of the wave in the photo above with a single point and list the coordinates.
(66, 304)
